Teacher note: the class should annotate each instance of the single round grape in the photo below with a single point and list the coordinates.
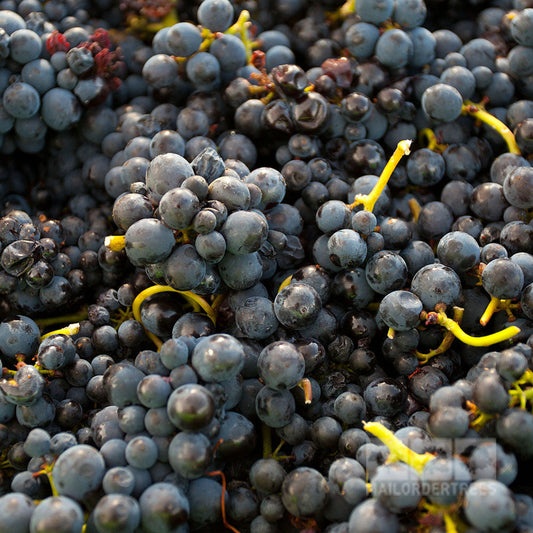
(191, 407)
(397, 487)
(280, 365)
(442, 102)
(218, 357)
(489, 505)
(400, 310)
(304, 492)
(297, 305)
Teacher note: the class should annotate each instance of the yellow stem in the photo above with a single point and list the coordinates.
(486, 340)
(285, 282)
(518, 396)
(208, 38)
(526, 378)
(217, 301)
(428, 135)
(237, 27)
(369, 200)
(477, 111)
(415, 209)
(115, 242)
(71, 329)
(170, 19)
(278, 448)
(481, 420)
(447, 340)
(490, 310)
(398, 450)
(496, 305)
(197, 302)
(52, 485)
(257, 90)
(242, 27)
(266, 99)
(347, 9)
(449, 523)
(179, 59)
(45, 371)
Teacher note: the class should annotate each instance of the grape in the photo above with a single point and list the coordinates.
(444, 480)
(256, 318)
(183, 39)
(442, 102)
(118, 480)
(274, 408)
(204, 500)
(489, 505)
(297, 305)
(361, 39)
(280, 366)
(216, 15)
(397, 487)
(163, 506)
(141, 452)
(148, 241)
(435, 284)
(57, 513)
(191, 407)
(223, 155)
(18, 511)
(400, 310)
(190, 454)
(394, 49)
(371, 515)
(78, 471)
(304, 492)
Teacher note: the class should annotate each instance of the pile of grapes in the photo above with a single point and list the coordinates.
(266, 266)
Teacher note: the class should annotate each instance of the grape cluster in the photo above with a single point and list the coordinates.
(266, 266)
(49, 77)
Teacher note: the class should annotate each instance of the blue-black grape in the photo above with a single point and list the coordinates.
(489, 505)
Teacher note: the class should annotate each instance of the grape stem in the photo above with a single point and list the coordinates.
(447, 340)
(47, 471)
(415, 208)
(198, 304)
(428, 135)
(520, 396)
(481, 420)
(347, 9)
(398, 450)
(478, 111)
(450, 517)
(71, 329)
(305, 385)
(242, 27)
(452, 326)
(222, 499)
(285, 282)
(369, 200)
(495, 305)
(116, 243)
